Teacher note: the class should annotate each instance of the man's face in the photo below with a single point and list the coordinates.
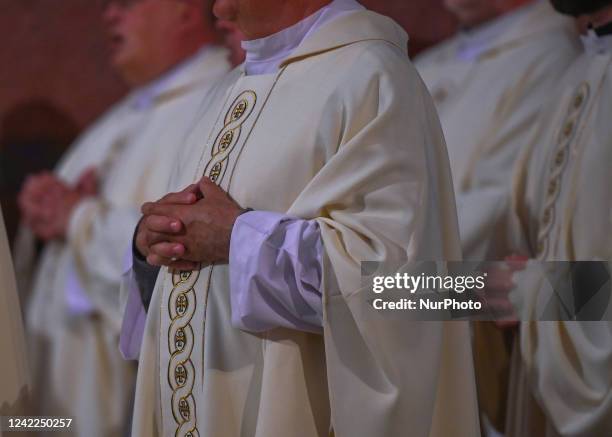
(253, 17)
(141, 32)
(471, 13)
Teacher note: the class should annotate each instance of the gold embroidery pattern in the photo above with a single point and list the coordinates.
(239, 112)
(182, 300)
(181, 372)
(560, 157)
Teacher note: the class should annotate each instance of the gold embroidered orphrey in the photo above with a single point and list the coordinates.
(182, 299)
(181, 372)
(228, 137)
(564, 138)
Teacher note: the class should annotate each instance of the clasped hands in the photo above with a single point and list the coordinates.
(500, 283)
(187, 229)
(46, 202)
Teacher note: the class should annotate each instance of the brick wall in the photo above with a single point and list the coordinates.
(54, 49)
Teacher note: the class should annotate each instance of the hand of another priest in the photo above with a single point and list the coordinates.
(500, 283)
(203, 234)
(47, 203)
(34, 197)
(88, 182)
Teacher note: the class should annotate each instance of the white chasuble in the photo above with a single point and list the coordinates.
(78, 370)
(563, 210)
(488, 106)
(14, 378)
(344, 133)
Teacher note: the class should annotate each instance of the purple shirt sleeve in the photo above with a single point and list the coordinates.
(77, 301)
(275, 273)
(132, 329)
(135, 313)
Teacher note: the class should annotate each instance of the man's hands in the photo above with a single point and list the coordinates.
(46, 202)
(500, 283)
(183, 230)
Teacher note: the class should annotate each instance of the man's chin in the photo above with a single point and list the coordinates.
(122, 66)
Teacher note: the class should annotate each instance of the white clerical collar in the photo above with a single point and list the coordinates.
(474, 42)
(264, 55)
(596, 45)
(143, 97)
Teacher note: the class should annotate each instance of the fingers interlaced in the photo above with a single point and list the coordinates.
(163, 224)
(169, 255)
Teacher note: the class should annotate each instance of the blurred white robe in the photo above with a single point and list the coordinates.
(77, 365)
(563, 209)
(488, 86)
(14, 379)
(344, 133)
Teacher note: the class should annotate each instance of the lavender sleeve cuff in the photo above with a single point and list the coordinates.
(275, 273)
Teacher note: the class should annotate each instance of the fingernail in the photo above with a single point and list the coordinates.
(175, 226)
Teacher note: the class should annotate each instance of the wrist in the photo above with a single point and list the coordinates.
(139, 249)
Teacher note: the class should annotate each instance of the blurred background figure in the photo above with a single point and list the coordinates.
(14, 378)
(562, 202)
(33, 136)
(86, 211)
(489, 82)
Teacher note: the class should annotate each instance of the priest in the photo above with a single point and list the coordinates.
(561, 204)
(14, 378)
(321, 151)
(87, 209)
(488, 83)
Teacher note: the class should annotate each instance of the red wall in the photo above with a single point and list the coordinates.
(426, 21)
(55, 49)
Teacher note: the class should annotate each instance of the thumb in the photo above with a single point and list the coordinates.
(88, 182)
(517, 262)
(208, 187)
(88, 174)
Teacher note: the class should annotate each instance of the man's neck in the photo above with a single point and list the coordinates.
(502, 8)
(288, 14)
(264, 55)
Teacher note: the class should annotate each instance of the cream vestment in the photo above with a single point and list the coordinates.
(74, 337)
(344, 133)
(563, 205)
(14, 380)
(488, 88)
